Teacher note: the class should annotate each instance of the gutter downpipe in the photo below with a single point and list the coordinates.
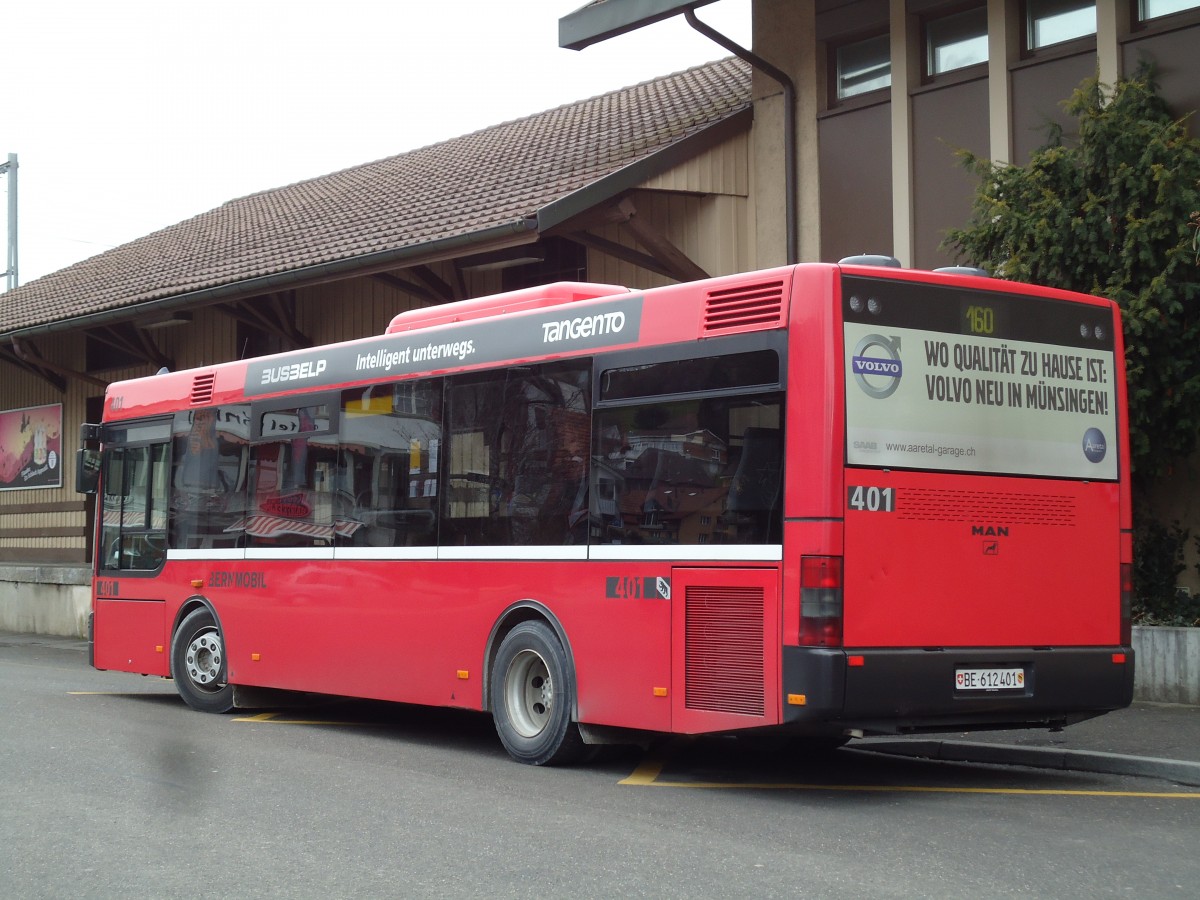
(789, 122)
(380, 261)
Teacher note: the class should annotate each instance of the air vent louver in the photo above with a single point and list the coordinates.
(724, 650)
(202, 388)
(743, 306)
(931, 504)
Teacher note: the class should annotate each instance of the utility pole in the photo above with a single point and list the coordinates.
(11, 168)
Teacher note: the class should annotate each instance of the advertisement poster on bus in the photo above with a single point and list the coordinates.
(923, 399)
(31, 448)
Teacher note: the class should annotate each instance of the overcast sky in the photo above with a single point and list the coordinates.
(128, 115)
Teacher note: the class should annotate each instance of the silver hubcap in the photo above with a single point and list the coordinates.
(204, 657)
(529, 693)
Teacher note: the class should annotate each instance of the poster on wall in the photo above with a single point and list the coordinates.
(31, 448)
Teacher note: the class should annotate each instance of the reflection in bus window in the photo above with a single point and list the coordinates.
(208, 477)
(134, 519)
(518, 457)
(292, 499)
(704, 471)
(387, 474)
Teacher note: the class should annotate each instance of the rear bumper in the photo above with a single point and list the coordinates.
(904, 691)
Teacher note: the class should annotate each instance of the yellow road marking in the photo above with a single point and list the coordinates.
(651, 767)
(639, 779)
(273, 719)
(649, 770)
(646, 773)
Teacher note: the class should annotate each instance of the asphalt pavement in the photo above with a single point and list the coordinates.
(1153, 740)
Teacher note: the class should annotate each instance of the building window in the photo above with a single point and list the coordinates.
(1154, 9)
(862, 67)
(1049, 22)
(957, 41)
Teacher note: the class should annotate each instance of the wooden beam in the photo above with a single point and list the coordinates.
(460, 282)
(46, 370)
(8, 356)
(134, 341)
(401, 284)
(660, 247)
(274, 315)
(284, 304)
(434, 282)
(619, 251)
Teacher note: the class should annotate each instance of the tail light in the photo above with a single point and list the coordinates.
(821, 601)
(1126, 604)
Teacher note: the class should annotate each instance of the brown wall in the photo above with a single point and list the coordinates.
(1174, 55)
(943, 121)
(856, 182)
(1038, 92)
(50, 525)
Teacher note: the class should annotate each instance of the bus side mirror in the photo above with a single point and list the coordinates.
(87, 471)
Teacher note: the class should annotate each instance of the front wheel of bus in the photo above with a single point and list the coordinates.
(531, 692)
(198, 663)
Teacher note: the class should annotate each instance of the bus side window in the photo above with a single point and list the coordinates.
(208, 477)
(518, 457)
(292, 501)
(388, 467)
(693, 471)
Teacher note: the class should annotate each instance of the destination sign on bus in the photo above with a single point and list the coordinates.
(974, 381)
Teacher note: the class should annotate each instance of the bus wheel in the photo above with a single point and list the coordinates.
(531, 694)
(198, 663)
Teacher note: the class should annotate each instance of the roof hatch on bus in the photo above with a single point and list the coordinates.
(539, 297)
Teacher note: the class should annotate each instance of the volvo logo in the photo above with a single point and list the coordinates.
(876, 365)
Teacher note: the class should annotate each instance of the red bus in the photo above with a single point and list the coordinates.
(830, 500)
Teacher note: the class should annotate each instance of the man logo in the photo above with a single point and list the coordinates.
(877, 375)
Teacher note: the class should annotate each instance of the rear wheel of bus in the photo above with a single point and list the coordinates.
(532, 686)
(198, 663)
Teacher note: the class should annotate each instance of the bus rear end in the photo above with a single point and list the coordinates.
(984, 578)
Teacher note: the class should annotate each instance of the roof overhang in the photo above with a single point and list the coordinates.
(507, 234)
(606, 19)
(611, 186)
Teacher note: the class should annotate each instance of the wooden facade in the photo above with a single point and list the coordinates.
(699, 207)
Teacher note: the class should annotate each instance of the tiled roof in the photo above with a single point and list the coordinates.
(452, 190)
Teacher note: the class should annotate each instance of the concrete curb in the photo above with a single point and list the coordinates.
(1181, 772)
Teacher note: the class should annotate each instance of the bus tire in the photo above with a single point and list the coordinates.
(198, 663)
(532, 687)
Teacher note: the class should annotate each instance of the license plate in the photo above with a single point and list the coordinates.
(989, 679)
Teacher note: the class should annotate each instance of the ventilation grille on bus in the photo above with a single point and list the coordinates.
(202, 388)
(931, 504)
(724, 650)
(742, 306)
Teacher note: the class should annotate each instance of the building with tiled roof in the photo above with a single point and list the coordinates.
(641, 185)
(836, 135)
(502, 186)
